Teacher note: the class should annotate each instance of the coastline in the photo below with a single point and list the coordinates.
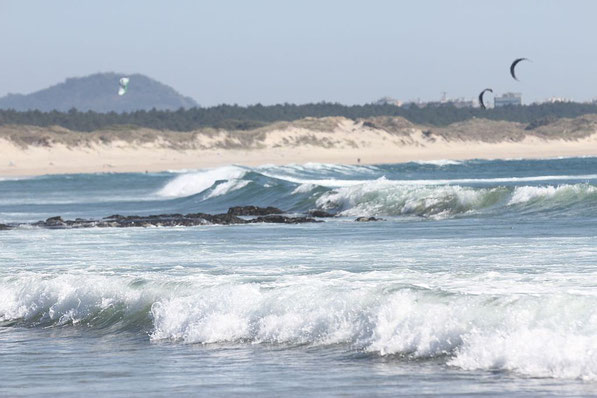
(330, 140)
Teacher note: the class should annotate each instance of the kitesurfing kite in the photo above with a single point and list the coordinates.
(516, 61)
(123, 85)
(481, 97)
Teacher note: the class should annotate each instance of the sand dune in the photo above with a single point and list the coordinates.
(28, 150)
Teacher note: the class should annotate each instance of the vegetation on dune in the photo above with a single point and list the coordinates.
(234, 117)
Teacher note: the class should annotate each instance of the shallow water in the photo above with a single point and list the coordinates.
(481, 281)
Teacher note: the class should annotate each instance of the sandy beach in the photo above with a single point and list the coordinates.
(26, 150)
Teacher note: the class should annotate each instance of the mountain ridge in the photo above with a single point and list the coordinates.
(98, 92)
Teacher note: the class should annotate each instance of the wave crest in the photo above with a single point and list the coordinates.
(73, 299)
(564, 194)
(193, 183)
(522, 335)
(549, 335)
(388, 198)
(352, 191)
(384, 197)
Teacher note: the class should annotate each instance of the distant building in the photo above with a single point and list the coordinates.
(388, 101)
(457, 103)
(554, 100)
(443, 102)
(462, 103)
(508, 99)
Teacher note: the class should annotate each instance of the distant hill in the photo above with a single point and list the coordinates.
(99, 93)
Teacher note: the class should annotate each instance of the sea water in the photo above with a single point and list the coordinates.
(481, 280)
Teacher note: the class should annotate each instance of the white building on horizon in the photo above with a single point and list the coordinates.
(388, 101)
(553, 100)
(507, 99)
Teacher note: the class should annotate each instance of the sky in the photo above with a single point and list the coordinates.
(277, 51)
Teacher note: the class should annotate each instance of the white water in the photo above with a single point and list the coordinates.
(193, 183)
(545, 332)
(489, 291)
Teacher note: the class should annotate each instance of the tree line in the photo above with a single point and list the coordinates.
(234, 117)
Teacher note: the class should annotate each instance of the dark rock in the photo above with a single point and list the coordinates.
(54, 222)
(114, 217)
(367, 219)
(4, 227)
(170, 220)
(106, 224)
(253, 211)
(225, 219)
(198, 215)
(277, 219)
(320, 214)
(164, 216)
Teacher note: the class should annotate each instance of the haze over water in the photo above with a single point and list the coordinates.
(480, 280)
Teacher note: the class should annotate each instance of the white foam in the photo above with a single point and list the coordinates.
(304, 188)
(227, 187)
(528, 193)
(63, 299)
(311, 167)
(193, 183)
(532, 351)
(525, 335)
(182, 171)
(383, 197)
(388, 197)
(543, 334)
(327, 182)
(16, 178)
(440, 162)
(340, 183)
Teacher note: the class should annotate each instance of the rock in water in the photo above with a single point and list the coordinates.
(367, 219)
(169, 220)
(253, 211)
(277, 219)
(320, 214)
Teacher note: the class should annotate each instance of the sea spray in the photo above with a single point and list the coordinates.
(545, 335)
(187, 184)
(480, 281)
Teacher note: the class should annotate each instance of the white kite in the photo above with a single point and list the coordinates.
(124, 85)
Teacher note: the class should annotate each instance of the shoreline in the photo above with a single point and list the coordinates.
(33, 151)
(60, 160)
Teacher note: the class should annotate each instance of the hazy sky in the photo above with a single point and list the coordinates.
(306, 51)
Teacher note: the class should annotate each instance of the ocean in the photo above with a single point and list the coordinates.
(480, 280)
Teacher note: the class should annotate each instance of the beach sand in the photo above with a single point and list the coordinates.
(36, 151)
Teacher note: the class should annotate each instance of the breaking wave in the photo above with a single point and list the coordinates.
(440, 162)
(367, 191)
(539, 335)
(193, 183)
(390, 199)
(386, 198)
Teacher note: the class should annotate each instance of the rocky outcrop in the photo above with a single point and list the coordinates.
(264, 215)
(278, 219)
(367, 219)
(54, 222)
(253, 211)
(251, 214)
(321, 214)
